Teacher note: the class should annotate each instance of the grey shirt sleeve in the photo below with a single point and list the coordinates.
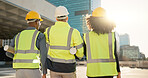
(41, 45)
(12, 44)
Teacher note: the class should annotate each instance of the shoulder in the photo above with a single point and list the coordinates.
(116, 36)
(75, 30)
(116, 33)
(17, 35)
(41, 35)
(84, 37)
(47, 30)
(49, 27)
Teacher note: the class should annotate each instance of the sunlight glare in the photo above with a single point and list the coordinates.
(121, 17)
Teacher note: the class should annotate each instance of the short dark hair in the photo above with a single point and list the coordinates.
(60, 18)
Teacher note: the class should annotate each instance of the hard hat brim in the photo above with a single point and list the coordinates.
(41, 19)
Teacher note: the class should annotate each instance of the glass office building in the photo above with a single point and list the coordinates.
(124, 39)
(77, 11)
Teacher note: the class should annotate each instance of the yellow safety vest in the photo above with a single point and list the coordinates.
(100, 54)
(59, 41)
(26, 53)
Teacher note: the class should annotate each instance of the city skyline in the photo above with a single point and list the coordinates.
(131, 17)
(78, 9)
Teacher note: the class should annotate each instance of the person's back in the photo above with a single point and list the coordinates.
(102, 61)
(100, 55)
(30, 49)
(25, 50)
(60, 39)
(59, 35)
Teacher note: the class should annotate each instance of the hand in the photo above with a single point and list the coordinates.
(44, 76)
(119, 75)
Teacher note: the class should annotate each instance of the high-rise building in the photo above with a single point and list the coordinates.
(95, 4)
(130, 52)
(124, 39)
(77, 11)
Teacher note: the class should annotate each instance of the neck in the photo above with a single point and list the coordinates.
(33, 26)
(63, 21)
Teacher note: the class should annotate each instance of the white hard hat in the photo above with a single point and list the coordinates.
(61, 11)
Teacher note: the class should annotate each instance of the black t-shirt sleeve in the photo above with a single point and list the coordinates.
(84, 45)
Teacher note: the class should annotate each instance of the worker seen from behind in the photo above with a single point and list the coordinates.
(63, 42)
(30, 49)
(102, 60)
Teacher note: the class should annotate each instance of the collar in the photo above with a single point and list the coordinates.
(62, 24)
(30, 28)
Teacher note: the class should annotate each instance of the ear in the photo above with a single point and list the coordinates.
(56, 19)
(36, 22)
(67, 19)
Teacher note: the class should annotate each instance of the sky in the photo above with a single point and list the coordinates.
(131, 17)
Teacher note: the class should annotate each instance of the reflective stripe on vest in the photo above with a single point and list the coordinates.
(26, 51)
(23, 61)
(32, 44)
(68, 42)
(61, 60)
(90, 60)
(61, 47)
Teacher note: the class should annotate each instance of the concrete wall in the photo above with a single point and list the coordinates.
(43, 7)
(0, 43)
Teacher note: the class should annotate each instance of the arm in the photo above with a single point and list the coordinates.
(84, 45)
(117, 61)
(43, 51)
(117, 49)
(78, 42)
(45, 33)
(12, 44)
